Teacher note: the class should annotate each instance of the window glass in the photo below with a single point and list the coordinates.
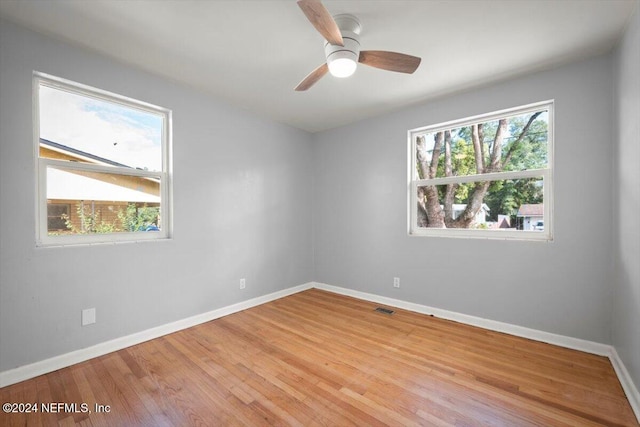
(502, 198)
(56, 217)
(519, 148)
(94, 129)
(103, 202)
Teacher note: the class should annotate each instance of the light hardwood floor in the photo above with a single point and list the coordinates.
(318, 358)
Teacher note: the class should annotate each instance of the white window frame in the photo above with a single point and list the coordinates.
(546, 174)
(42, 163)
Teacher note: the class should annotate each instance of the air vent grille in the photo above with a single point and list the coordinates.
(384, 310)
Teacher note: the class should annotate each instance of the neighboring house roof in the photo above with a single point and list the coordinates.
(531, 210)
(503, 221)
(63, 185)
(79, 153)
(69, 185)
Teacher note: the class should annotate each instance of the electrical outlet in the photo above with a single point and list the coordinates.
(243, 283)
(88, 316)
(396, 282)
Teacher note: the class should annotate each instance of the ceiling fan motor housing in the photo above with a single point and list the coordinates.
(342, 60)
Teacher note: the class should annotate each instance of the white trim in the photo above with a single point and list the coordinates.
(473, 233)
(32, 370)
(94, 167)
(630, 389)
(495, 115)
(412, 211)
(41, 204)
(96, 93)
(494, 176)
(547, 191)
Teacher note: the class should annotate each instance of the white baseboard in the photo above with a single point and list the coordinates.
(627, 383)
(630, 389)
(32, 370)
(493, 325)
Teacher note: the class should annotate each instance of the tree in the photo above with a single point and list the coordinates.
(515, 143)
(135, 218)
(132, 218)
(88, 218)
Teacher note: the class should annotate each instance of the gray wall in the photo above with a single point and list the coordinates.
(626, 298)
(562, 287)
(241, 210)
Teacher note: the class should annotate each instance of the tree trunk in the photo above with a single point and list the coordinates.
(478, 147)
(515, 145)
(423, 219)
(495, 164)
(428, 203)
(474, 204)
(450, 190)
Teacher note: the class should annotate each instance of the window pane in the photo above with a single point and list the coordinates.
(491, 205)
(514, 143)
(102, 202)
(56, 214)
(80, 128)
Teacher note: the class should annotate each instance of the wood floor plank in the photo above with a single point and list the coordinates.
(391, 361)
(317, 358)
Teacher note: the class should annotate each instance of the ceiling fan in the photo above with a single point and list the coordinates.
(342, 47)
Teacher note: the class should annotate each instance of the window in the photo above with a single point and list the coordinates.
(103, 165)
(487, 176)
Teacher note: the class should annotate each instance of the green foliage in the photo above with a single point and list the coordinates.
(132, 218)
(506, 197)
(462, 163)
(135, 218)
(89, 221)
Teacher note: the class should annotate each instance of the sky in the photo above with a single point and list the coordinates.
(109, 130)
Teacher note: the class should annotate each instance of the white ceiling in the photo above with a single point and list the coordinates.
(253, 53)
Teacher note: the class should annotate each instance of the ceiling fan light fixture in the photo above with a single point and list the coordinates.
(343, 60)
(342, 64)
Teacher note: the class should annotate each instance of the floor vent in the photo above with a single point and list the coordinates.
(384, 310)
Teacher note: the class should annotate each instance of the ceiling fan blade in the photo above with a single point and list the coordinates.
(391, 61)
(313, 77)
(320, 17)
